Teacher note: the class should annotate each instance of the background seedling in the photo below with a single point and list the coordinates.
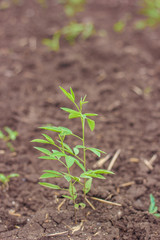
(71, 32)
(151, 12)
(67, 155)
(5, 179)
(72, 7)
(153, 209)
(10, 137)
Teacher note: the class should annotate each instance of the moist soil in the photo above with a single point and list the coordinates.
(120, 74)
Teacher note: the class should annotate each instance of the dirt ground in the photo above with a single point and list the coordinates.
(120, 75)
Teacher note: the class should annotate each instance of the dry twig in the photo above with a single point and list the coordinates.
(102, 161)
(105, 201)
(114, 159)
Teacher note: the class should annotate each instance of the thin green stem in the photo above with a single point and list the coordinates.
(84, 151)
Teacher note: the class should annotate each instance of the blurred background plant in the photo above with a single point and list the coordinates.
(73, 30)
(11, 136)
(71, 7)
(5, 179)
(148, 9)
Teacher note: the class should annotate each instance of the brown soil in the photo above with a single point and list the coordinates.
(115, 72)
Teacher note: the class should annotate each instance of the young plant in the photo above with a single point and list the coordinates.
(70, 33)
(151, 11)
(69, 156)
(72, 7)
(5, 179)
(11, 136)
(153, 209)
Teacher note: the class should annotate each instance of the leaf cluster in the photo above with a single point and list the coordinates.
(70, 33)
(9, 135)
(153, 209)
(151, 11)
(5, 179)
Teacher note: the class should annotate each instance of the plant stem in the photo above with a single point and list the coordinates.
(84, 152)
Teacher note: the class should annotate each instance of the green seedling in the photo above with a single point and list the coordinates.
(72, 7)
(153, 209)
(151, 12)
(70, 33)
(5, 179)
(119, 26)
(11, 136)
(69, 156)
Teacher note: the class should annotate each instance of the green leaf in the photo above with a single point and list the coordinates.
(91, 174)
(79, 164)
(53, 43)
(74, 115)
(51, 128)
(58, 154)
(94, 151)
(76, 206)
(87, 186)
(66, 147)
(69, 110)
(80, 146)
(68, 95)
(12, 134)
(102, 171)
(43, 150)
(90, 114)
(50, 175)
(91, 124)
(152, 204)
(72, 93)
(62, 130)
(49, 139)
(2, 136)
(52, 171)
(47, 158)
(67, 177)
(76, 150)
(82, 205)
(66, 196)
(3, 178)
(157, 215)
(69, 161)
(40, 141)
(13, 175)
(49, 185)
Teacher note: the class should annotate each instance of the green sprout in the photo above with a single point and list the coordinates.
(70, 33)
(5, 179)
(151, 12)
(153, 209)
(69, 156)
(119, 26)
(72, 7)
(10, 137)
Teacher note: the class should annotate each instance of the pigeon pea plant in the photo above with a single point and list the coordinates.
(68, 156)
(5, 179)
(10, 137)
(153, 208)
